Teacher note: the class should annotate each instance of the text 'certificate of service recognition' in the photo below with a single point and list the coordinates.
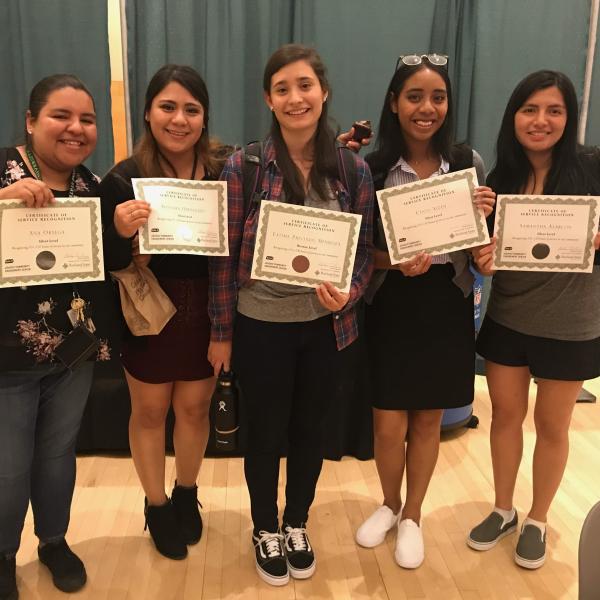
(434, 215)
(61, 243)
(305, 246)
(187, 217)
(546, 233)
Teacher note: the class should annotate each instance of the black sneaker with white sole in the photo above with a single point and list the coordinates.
(531, 547)
(298, 551)
(270, 558)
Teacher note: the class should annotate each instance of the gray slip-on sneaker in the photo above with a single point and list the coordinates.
(490, 531)
(531, 547)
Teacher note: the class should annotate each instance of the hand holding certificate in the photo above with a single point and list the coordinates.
(187, 217)
(546, 233)
(61, 243)
(305, 246)
(434, 215)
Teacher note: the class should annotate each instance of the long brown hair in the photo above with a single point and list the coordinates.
(325, 159)
(147, 154)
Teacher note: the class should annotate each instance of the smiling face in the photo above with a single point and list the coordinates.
(540, 122)
(176, 120)
(64, 133)
(421, 105)
(296, 97)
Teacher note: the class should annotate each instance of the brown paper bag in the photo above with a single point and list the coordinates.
(145, 305)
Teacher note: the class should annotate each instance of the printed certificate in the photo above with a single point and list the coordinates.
(434, 215)
(61, 243)
(546, 233)
(187, 217)
(305, 246)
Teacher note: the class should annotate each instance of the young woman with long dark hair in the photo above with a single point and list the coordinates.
(542, 325)
(419, 318)
(286, 339)
(171, 368)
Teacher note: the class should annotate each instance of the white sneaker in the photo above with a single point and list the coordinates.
(372, 532)
(410, 551)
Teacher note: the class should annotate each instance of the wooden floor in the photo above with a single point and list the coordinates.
(107, 530)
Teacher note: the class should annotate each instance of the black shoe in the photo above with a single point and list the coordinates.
(185, 502)
(68, 572)
(8, 578)
(165, 530)
(270, 558)
(298, 551)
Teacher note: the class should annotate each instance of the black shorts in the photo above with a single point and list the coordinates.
(546, 358)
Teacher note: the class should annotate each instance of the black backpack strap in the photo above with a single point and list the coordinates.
(252, 170)
(347, 171)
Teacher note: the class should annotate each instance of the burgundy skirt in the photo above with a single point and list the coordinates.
(178, 352)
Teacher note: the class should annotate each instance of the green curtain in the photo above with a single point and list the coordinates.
(514, 39)
(491, 45)
(42, 37)
(228, 42)
(592, 135)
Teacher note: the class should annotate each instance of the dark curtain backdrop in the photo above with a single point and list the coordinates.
(42, 37)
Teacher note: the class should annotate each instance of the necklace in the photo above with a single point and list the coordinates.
(38, 173)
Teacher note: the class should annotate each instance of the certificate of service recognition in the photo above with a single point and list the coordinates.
(434, 215)
(61, 243)
(546, 233)
(305, 246)
(187, 217)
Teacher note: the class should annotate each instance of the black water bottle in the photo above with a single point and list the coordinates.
(226, 413)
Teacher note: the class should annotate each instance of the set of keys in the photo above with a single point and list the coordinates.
(77, 315)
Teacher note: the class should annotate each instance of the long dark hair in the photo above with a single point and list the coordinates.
(147, 154)
(43, 88)
(391, 144)
(325, 159)
(512, 169)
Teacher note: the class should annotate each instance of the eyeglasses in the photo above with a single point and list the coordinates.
(412, 60)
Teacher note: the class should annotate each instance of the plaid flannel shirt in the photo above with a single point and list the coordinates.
(229, 273)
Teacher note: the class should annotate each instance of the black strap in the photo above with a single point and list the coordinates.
(347, 171)
(252, 172)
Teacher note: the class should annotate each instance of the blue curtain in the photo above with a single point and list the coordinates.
(491, 45)
(42, 37)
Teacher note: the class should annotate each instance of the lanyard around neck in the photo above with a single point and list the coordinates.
(38, 174)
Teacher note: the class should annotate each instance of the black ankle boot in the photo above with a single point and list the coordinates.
(8, 578)
(185, 502)
(164, 530)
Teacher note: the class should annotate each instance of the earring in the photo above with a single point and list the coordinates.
(29, 132)
(272, 108)
(325, 99)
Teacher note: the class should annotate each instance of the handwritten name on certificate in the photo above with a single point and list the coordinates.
(305, 246)
(186, 217)
(61, 243)
(546, 233)
(434, 215)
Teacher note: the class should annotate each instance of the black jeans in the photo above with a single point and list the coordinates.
(287, 374)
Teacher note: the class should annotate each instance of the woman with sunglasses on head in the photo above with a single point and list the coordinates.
(41, 399)
(171, 368)
(286, 338)
(419, 319)
(537, 324)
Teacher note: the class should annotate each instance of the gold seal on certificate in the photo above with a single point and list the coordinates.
(305, 246)
(434, 215)
(546, 233)
(187, 217)
(61, 243)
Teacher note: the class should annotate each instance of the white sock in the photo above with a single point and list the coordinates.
(507, 515)
(539, 524)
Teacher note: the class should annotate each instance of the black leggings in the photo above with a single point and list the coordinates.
(287, 374)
